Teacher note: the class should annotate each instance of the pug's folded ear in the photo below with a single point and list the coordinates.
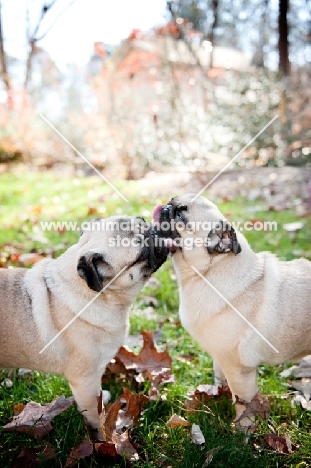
(222, 239)
(91, 268)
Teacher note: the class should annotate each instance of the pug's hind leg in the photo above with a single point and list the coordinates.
(219, 376)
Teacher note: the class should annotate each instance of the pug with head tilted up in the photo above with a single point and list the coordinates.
(84, 296)
(221, 281)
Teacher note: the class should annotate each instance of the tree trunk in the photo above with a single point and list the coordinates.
(3, 68)
(284, 67)
(212, 34)
(29, 64)
(259, 56)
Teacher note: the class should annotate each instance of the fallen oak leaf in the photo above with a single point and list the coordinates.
(134, 404)
(123, 413)
(156, 378)
(176, 421)
(153, 393)
(124, 447)
(100, 403)
(31, 457)
(280, 444)
(18, 408)
(205, 392)
(108, 418)
(258, 406)
(208, 391)
(160, 376)
(35, 419)
(108, 451)
(149, 358)
(115, 366)
(81, 451)
(151, 363)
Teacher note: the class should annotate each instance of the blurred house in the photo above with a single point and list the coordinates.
(155, 93)
(152, 72)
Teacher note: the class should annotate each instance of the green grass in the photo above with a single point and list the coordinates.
(26, 200)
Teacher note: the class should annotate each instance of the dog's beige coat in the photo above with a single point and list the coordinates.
(273, 295)
(36, 304)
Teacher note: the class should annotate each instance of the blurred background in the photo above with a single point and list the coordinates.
(155, 86)
(159, 96)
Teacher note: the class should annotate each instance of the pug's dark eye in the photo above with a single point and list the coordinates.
(139, 239)
(181, 217)
(179, 213)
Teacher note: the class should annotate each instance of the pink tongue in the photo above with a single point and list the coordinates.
(156, 213)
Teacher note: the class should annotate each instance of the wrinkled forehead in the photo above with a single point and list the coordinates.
(104, 229)
(193, 202)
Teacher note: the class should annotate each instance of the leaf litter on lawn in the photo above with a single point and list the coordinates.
(35, 419)
(32, 456)
(149, 364)
(119, 417)
(116, 419)
(302, 383)
(205, 392)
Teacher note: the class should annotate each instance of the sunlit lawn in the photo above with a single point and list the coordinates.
(30, 198)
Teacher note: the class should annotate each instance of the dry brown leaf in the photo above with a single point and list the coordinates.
(280, 444)
(30, 457)
(108, 451)
(176, 421)
(157, 377)
(204, 393)
(100, 405)
(211, 391)
(124, 446)
(148, 359)
(35, 419)
(154, 393)
(149, 363)
(120, 415)
(258, 406)
(83, 450)
(134, 404)
(18, 408)
(108, 418)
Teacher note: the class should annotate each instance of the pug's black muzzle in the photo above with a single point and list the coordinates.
(154, 250)
(166, 228)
